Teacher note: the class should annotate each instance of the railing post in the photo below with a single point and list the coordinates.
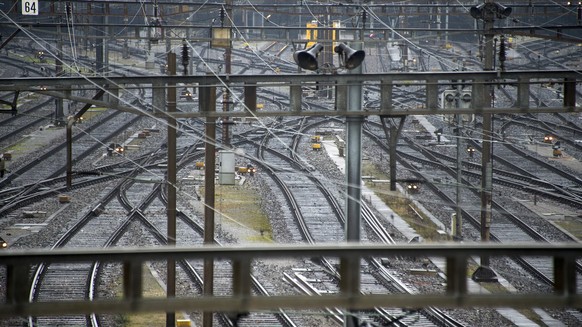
(569, 92)
(523, 93)
(17, 284)
(432, 95)
(241, 286)
(564, 276)
(250, 96)
(341, 98)
(132, 281)
(295, 98)
(386, 88)
(457, 276)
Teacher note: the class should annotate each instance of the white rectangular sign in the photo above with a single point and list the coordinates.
(30, 7)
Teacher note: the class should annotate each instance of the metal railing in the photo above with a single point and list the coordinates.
(19, 263)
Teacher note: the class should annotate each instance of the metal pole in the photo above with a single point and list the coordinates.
(484, 272)
(99, 42)
(171, 210)
(446, 25)
(392, 152)
(59, 103)
(458, 235)
(70, 122)
(227, 71)
(350, 267)
(486, 156)
(207, 98)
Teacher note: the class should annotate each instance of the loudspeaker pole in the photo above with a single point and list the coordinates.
(350, 267)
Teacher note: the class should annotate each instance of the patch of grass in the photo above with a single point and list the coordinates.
(239, 205)
(572, 225)
(17, 147)
(93, 112)
(151, 288)
(403, 206)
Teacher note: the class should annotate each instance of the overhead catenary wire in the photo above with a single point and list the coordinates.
(73, 56)
(161, 120)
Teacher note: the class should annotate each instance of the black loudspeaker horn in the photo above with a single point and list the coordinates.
(307, 59)
(351, 58)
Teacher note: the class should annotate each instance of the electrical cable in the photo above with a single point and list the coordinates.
(238, 99)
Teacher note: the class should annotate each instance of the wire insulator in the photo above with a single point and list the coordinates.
(185, 58)
(222, 15)
(502, 51)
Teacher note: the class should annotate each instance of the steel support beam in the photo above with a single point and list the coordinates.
(171, 187)
(480, 82)
(9, 38)
(207, 99)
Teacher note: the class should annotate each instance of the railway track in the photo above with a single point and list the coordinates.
(141, 203)
(145, 204)
(284, 164)
(505, 225)
(78, 281)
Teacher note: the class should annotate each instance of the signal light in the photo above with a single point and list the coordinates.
(470, 150)
(548, 138)
(465, 98)
(413, 187)
(448, 99)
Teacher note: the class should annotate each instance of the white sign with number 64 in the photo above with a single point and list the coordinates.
(30, 7)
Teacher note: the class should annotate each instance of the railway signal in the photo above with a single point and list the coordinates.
(412, 185)
(549, 138)
(438, 133)
(465, 97)
(449, 97)
(448, 100)
(470, 151)
(413, 188)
